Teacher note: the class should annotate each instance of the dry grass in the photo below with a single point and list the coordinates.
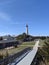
(14, 50)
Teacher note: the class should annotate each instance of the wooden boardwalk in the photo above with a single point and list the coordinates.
(27, 60)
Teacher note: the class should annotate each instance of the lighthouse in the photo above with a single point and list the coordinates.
(27, 29)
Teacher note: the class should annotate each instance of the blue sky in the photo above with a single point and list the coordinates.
(15, 14)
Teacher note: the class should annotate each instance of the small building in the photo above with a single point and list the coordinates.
(8, 37)
(8, 43)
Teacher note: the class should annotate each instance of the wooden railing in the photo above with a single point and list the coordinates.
(10, 59)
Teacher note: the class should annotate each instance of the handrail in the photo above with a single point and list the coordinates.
(27, 60)
(10, 59)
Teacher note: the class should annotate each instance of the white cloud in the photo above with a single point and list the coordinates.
(4, 16)
(7, 18)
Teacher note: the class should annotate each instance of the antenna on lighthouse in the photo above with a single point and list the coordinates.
(27, 29)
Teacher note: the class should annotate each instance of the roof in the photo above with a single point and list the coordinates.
(7, 41)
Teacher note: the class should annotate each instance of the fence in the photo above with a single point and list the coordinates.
(10, 59)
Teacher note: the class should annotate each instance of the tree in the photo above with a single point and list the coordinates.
(21, 36)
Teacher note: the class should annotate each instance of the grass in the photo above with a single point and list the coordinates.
(11, 51)
(44, 50)
(48, 63)
(14, 50)
(42, 43)
(28, 43)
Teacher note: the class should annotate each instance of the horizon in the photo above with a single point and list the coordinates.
(24, 32)
(15, 14)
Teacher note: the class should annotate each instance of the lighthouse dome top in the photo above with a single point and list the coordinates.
(26, 25)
